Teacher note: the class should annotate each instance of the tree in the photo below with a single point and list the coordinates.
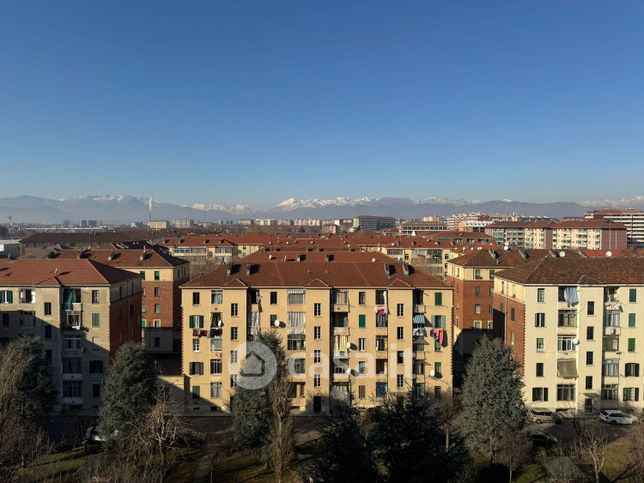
(130, 389)
(492, 397)
(637, 452)
(514, 449)
(592, 443)
(26, 397)
(261, 416)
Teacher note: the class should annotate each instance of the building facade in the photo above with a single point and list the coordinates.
(633, 220)
(575, 327)
(82, 310)
(344, 319)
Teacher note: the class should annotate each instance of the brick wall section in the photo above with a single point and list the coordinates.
(465, 300)
(169, 301)
(508, 327)
(129, 327)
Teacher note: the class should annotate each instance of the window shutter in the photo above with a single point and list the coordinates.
(362, 321)
(545, 393)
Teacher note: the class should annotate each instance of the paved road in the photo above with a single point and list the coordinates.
(565, 431)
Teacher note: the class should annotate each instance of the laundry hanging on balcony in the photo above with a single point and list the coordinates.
(440, 336)
(254, 323)
(571, 296)
(419, 320)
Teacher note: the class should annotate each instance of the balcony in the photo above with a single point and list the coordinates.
(73, 320)
(340, 307)
(73, 376)
(342, 330)
(73, 401)
(419, 308)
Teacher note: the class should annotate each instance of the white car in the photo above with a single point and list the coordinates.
(614, 416)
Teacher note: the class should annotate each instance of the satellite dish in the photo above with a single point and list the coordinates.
(506, 247)
(432, 373)
(575, 341)
(609, 253)
(348, 371)
(348, 345)
(276, 323)
(220, 323)
(562, 254)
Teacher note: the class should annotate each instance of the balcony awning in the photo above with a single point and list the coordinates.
(567, 369)
(419, 319)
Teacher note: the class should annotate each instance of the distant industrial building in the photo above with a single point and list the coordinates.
(373, 223)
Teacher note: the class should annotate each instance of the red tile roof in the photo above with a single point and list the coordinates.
(511, 257)
(69, 272)
(125, 258)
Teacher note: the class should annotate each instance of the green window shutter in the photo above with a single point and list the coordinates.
(362, 321)
(10, 296)
(631, 320)
(143, 323)
(201, 319)
(632, 295)
(539, 369)
(96, 320)
(631, 344)
(438, 298)
(192, 321)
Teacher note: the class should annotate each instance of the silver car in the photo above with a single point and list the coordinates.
(613, 416)
(544, 416)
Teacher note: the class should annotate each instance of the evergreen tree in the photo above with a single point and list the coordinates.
(492, 397)
(130, 389)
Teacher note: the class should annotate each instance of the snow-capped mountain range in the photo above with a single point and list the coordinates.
(122, 208)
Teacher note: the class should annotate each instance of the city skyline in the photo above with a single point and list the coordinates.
(257, 103)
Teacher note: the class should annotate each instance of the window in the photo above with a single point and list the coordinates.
(362, 321)
(95, 297)
(196, 392)
(317, 356)
(400, 310)
(589, 358)
(609, 392)
(631, 344)
(567, 318)
(565, 392)
(316, 380)
(381, 343)
(317, 309)
(96, 390)
(437, 392)
(157, 342)
(632, 295)
(233, 357)
(611, 344)
(564, 343)
(400, 357)
(72, 342)
(512, 314)
(361, 392)
(631, 394)
(72, 365)
(400, 381)
(196, 368)
(296, 342)
(195, 298)
(295, 297)
(381, 389)
(590, 333)
(362, 298)
(215, 366)
(157, 275)
(215, 389)
(196, 321)
(381, 366)
(27, 296)
(157, 291)
(96, 343)
(477, 274)
(317, 332)
(143, 308)
(631, 320)
(632, 369)
(540, 347)
(362, 367)
(216, 297)
(611, 367)
(477, 324)
(590, 308)
(539, 369)
(477, 291)
(400, 333)
(195, 344)
(142, 273)
(273, 298)
(540, 319)
(541, 295)
(72, 389)
(298, 366)
(438, 369)
(362, 344)
(539, 393)
(438, 298)
(380, 297)
(233, 380)
(48, 332)
(589, 382)
(6, 297)
(96, 367)
(234, 331)
(47, 308)
(234, 310)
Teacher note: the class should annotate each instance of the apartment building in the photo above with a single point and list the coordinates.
(373, 223)
(574, 326)
(569, 234)
(347, 319)
(161, 276)
(82, 310)
(633, 220)
(414, 227)
(468, 222)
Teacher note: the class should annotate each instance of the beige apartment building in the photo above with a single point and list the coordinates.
(575, 326)
(82, 310)
(347, 320)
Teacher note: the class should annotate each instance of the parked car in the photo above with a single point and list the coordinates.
(542, 440)
(94, 435)
(544, 416)
(613, 416)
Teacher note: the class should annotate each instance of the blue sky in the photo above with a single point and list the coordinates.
(258, 101)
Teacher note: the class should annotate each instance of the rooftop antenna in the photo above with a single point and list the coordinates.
(10, 224)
